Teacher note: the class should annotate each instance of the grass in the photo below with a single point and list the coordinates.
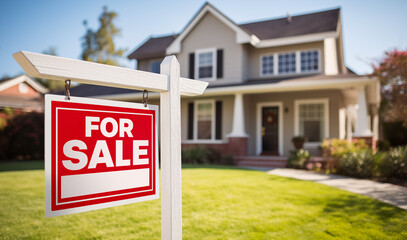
(218, 203)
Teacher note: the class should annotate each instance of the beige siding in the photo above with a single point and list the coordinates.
(254, 54)
(227, 115)
(145, 65)
(212, 33)
(335, 103)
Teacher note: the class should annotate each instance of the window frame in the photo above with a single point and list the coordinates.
(297, 63)
(214, 63)
(319, 61)
(213, 119)
(297, 103)
(151, 66)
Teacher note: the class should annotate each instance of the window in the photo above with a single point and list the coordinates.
(310, 61)
(155, 67)
(290, 63)
(204, 120)
(286, 63)
(267, 65)
(205, 64)
(312, 119)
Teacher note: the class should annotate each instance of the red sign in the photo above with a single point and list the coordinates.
(99, 154)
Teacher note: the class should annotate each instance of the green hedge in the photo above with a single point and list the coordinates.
(23, 137)
(355, 159)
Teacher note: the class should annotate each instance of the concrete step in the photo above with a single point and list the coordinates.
(261, 161)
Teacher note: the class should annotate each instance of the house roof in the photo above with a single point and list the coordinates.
(86, 90)
(318, 22)
(305, 24)
(23, 78)
(152, 48)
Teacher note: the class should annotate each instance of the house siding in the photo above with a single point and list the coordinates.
(144, 65)
(212, 33)
(227, 115)
(254, 57)
(335, 98)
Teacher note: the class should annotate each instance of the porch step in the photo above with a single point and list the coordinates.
(261, 161)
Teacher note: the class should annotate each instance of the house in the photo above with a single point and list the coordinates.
(268, 82)
(22, 93)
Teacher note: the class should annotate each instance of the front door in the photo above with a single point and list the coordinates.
(269, 130)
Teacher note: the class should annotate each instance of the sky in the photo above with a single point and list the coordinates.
(370, 27)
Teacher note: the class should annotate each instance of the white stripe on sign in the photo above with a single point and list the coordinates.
(84, 184)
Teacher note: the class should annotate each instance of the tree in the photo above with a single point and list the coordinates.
(392, 73)
(98, 46)
(52, 85)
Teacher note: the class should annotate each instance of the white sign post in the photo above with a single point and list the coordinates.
(170, 85)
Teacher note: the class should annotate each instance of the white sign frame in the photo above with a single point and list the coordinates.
(48, 154)
(168, 83)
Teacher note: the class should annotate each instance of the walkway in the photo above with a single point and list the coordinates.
(389, 193)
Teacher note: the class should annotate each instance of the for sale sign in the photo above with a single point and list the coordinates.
(99, 154)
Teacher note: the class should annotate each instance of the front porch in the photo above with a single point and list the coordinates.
(259, 121)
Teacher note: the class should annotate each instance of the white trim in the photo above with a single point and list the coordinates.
(197, 141)
(297, 62)
(214, 63)
(213, 138)
(325, 102)
(274, 64)
(20, 79)
(296, 39)
(241, 35)
(259, 142)
(292, 85)
(59, 68)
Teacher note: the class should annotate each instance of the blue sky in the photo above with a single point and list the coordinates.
(369, 27)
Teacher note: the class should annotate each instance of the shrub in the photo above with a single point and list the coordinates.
(200, 155)
(298, 158)
(357, 163)
(23, 137)
(394, 163)
(338, 148)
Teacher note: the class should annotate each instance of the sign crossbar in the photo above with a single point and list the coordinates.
(170, 86)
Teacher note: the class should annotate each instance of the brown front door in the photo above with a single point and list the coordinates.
(269, 130)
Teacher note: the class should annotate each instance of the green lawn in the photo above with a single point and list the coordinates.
(218, 203)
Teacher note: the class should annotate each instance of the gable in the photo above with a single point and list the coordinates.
(241, 36)
(22, 86)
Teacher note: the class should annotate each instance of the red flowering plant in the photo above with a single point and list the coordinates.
(392, 73)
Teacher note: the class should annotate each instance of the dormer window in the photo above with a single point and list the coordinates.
(310, 61)
(286, 63)
(297, 62)
(205, 67)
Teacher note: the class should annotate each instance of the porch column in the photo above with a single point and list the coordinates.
(362, 123)
(238, 129)
(238, 139)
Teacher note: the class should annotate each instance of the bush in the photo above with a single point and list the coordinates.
(23, 137)
(358, 163)
(298, 158)
(338, 148)
(200, 155)
(394, 163)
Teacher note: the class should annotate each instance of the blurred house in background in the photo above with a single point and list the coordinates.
(22, 93)
(268, 82)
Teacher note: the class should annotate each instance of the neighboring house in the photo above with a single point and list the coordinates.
(268, 82)
(22, 93)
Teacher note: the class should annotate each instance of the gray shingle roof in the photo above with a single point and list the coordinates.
(154, 47)
(318, 22)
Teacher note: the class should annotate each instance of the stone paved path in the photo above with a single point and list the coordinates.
(389, 193)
